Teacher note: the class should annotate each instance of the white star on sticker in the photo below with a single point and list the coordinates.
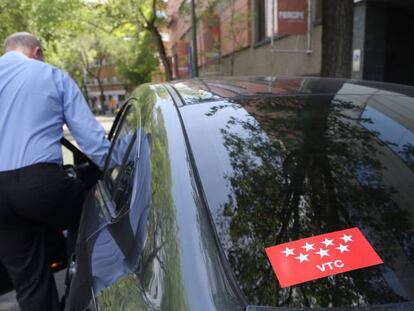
(308, 246)
(288, 251)
(347, 238)
(342, 248)
(327, 242)
(322, 252)
(302, 257)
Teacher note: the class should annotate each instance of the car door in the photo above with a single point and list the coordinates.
(109, 234)
(178, 266)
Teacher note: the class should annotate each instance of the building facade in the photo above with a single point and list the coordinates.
(234, 37)
(283, 38)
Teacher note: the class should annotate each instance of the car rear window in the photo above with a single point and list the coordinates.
(279, 169)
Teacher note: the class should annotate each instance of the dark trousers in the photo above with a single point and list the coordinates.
(34, 199)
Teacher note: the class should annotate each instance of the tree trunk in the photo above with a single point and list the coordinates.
(161, 50)
(85, 91)
(102, 96)
(337, 32)
(233, 37)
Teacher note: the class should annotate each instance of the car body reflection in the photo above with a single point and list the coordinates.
(225, 168)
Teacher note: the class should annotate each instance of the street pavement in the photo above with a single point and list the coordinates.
(8, 301)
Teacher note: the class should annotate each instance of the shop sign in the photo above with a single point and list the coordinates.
(292, 17)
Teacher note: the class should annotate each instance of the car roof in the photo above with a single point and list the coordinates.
(211, 89)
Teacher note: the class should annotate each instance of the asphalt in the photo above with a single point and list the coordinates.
(8, 301)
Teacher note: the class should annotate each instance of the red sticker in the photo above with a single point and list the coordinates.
(320, 256)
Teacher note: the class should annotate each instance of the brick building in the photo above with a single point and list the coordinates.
(243, 37)
(234, 38)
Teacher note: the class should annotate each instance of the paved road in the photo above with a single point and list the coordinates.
(8, 301)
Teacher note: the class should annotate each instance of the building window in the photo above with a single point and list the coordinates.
(264, 19)
(317, 11)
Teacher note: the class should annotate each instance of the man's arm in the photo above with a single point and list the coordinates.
(88, 133)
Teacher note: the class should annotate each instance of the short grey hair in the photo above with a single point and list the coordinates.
(21, 39)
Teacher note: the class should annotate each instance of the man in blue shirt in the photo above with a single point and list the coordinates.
(36, 100)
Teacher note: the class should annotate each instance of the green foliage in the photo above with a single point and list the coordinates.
(135, 59)
(75, 33)
(184, 9)
(53, 20)
(14, 16)
(141, 15)
(50, 20)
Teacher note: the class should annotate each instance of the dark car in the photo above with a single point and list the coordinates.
(204, 175)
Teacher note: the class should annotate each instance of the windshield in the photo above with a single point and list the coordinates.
(279, 169)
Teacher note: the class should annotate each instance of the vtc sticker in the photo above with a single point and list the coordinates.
(320, 256)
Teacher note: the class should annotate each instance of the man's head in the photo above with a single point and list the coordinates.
(25, 43)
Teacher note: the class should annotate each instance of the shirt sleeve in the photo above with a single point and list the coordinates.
(87, 131)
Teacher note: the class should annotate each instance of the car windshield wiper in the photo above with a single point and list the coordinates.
(403, 306)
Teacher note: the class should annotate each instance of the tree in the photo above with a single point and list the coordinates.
(144, 15)
(337, 30)
(49, 20)
(129, 49)
(13, 16)
(237, 25)
(135, 58)
(92, 54)
(79, 35)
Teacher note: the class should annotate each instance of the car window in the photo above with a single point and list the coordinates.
(118, 118)
(122, 158)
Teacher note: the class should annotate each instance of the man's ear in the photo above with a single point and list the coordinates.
(38, 53)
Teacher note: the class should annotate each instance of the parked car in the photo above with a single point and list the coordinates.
(203, 175)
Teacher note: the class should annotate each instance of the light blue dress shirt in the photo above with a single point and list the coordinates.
(36, 99)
